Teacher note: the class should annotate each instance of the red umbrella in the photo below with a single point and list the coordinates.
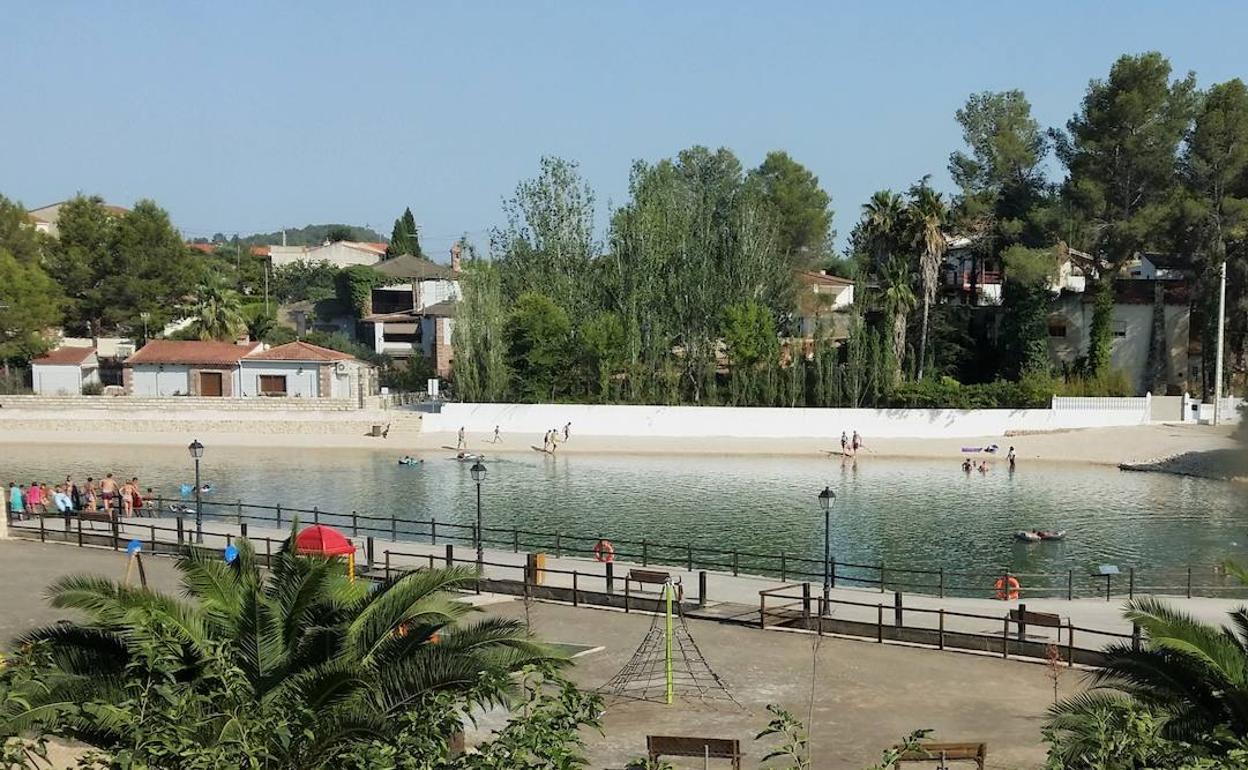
(323, 540)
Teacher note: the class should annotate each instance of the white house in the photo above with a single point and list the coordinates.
(302, 370)
(229, 370)
(337, 253)
(186, 368)
(65, 371)
(45, 218)
(821, 295)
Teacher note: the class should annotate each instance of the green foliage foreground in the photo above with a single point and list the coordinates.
(293, 667)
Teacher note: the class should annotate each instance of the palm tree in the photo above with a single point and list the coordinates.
(928, 215)
(218, 311)
(1191, 676)
(899, 300)
(885, 223)
(258, 322)
(345, 656)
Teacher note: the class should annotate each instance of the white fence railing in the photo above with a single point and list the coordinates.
(1122, 407)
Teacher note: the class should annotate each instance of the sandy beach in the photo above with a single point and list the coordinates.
(1145, 444)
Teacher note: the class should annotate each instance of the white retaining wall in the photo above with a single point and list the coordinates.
(693, 421)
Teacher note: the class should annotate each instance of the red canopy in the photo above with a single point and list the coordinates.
(324, 540)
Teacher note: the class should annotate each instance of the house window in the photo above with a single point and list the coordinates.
(272, 384)
(1057, 327)
(1120, 328)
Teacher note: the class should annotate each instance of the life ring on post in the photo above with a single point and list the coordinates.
(604, 552)
(1007, 587)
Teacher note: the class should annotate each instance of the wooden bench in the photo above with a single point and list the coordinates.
(646, 577)
(930, 751)
(659, 746)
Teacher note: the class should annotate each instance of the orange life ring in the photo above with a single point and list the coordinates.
(1007, 587)
(604, 552)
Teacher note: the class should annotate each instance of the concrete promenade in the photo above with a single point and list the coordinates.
(1097, 622)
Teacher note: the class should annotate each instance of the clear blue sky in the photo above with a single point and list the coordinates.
(250, 116)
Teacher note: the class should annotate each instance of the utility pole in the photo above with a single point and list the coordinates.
(1217, 367)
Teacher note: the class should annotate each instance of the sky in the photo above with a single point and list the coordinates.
(247, 117)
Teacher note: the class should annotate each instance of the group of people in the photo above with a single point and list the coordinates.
(551, 440)
(109, 495)
(968, 465)
(850, 445)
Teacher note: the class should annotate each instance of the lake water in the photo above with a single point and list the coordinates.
(904, 513)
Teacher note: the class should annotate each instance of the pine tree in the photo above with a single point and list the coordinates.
(404, 238)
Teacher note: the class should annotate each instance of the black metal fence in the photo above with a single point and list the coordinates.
(940, 581)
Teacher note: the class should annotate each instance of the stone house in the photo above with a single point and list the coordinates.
(65, 371)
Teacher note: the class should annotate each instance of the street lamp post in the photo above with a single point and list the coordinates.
(197, 451)
(478, 475)
(826, 498)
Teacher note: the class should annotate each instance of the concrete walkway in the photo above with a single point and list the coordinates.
(1097, 622)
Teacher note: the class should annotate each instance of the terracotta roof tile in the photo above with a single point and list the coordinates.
(67, 356)
(210, 352)
(301, 351)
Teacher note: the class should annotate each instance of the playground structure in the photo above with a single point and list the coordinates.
(668, 662)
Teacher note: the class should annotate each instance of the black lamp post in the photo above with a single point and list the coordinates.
(478, 475)
(197, 451)
(826, 498)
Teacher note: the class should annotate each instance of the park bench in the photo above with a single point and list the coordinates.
(659, 746)
(931, 751)
(652, 577)
(1023, 618)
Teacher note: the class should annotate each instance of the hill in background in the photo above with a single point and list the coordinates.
(309, 235)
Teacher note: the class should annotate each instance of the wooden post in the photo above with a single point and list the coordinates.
(450, 555)
(1070, 585)
(689, 559)
(116, 531)
(702, 588)
(1189, 582)
(433, 530)
(369, 545)
(940, 643)
(806, 604)
(942, 582)
(610, 578)
(627, 593)
(80, 530)
(1022, 621)
(575, 588)
(1131, 582)
(42, 537)
(897, 609)
(736, 563)
(1005, 637)
(242, 529)
(387, 554)
(355, 524)
(879, 623)
(1070, 644)
(1135, 637)
(316, 515)
(279, 516)
(762, 610)
(239, 513)
(153, 534)
(1109, 579)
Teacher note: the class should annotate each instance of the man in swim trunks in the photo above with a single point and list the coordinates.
(108, 490)
(497, 438)
(844, 442)
(1010, 457)
(459, 444)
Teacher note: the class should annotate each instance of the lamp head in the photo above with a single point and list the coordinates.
(196, 449)
(478, 471)
(826, 497)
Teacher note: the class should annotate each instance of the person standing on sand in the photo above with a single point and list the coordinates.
(497, 438)
(567, 431)
(459, 444)
(16, 504)
(844, 442)
(857, 442)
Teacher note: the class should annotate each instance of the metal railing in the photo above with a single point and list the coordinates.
(793, 606)
(936, 581)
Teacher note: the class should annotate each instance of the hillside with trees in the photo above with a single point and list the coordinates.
(308, 235)
(688, 297)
